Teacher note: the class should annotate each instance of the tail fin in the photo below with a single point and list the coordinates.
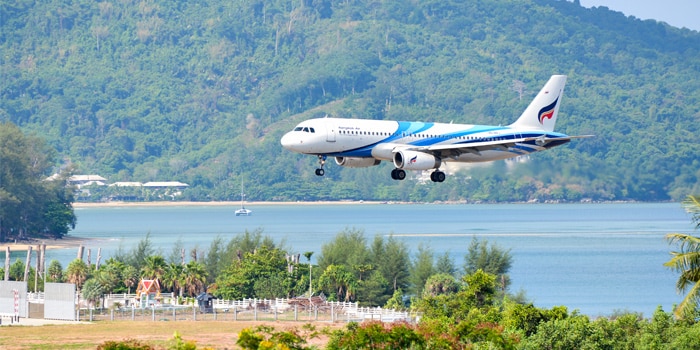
(542, 112)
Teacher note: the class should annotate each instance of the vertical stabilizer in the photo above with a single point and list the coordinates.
(542, 112)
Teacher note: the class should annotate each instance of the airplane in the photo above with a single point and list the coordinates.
(358, 143)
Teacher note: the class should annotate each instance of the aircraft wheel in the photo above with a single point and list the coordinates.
(320, 172)
(437, 176)
(399, 174)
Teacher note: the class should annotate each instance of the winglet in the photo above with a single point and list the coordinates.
(542, 112)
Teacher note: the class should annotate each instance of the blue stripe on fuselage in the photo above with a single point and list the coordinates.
(407, 129)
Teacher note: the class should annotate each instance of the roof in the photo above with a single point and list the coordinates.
(165, 184)
(148, 286)
(127, 184)
(77, 178)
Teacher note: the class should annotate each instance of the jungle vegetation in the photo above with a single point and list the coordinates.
(200, 93)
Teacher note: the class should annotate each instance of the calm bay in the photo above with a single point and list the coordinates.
(597, 258)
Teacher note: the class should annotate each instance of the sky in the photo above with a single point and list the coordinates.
(678, 13)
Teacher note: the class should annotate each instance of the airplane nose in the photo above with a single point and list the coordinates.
(287, 141)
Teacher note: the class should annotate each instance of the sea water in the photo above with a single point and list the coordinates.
(596, 258)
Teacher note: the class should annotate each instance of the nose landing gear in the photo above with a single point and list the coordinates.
(321, 163)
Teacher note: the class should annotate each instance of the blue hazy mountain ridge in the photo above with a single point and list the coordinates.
(202, 94)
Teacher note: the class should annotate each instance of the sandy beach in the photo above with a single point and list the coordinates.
(213, 204)
(66, 242)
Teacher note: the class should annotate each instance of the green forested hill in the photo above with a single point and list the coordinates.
(200, 92)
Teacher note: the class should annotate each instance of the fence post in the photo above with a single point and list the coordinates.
(295, 313)
(194, 313)
(332, 313)
(174, 314)
(275, 310)
(133, 313)
(255, 312)
(153, 312)
(111, 318)
(235, 313)
(90, 314)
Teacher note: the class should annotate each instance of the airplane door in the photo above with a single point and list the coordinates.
(330, 131)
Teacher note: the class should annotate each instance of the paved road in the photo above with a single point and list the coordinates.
(7, 321)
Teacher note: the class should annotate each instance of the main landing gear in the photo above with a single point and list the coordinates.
(398, 174)
(321, 162)
(435, 176)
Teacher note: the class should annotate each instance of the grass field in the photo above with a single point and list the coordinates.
(212, 334)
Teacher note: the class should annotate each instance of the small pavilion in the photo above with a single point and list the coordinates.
(148, 293)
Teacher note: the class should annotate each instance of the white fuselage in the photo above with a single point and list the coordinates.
(379, 139)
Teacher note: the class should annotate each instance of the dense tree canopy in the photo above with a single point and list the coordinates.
(156, 91)
(31, 203)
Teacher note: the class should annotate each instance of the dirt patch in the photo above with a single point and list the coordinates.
(212, 334)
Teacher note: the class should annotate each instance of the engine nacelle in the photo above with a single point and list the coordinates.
(356, 162)
(412, 160)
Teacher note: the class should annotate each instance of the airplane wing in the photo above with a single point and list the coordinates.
(477, 147)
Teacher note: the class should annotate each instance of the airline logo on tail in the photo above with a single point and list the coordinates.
(547, 112)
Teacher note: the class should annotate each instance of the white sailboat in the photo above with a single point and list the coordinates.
(243, 211)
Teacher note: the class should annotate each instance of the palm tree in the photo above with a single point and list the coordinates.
(108, 278)
(154, 267)
(338, 279)
(130, 277)
(308, 259)
(687, 262)
(92, 291)
(55, 271)
(173, 277)
(77, 272)
(195, 276)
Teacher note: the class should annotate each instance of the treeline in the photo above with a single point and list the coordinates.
(251, 265)
(156, 90)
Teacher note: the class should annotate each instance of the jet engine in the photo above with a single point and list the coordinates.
(356, 162)
(412, 160)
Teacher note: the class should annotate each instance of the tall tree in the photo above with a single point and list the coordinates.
(393, 261)
(194, 278)
(349, 248)
(130, 277)
(489, 258)
(445, 264)
(421, 269)
(154, 267)
(77, 272)
(92, 291)
(55, 271)
(687, 261)
(31, 203)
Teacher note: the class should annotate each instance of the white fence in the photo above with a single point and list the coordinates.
(337, 311)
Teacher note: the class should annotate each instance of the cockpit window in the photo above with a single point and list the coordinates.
(305, 129)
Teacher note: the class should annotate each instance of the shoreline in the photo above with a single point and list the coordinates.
(51, 243)
(218, 204)
(347, 202)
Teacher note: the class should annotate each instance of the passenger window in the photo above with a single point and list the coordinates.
(312, 130)
(298, 128)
